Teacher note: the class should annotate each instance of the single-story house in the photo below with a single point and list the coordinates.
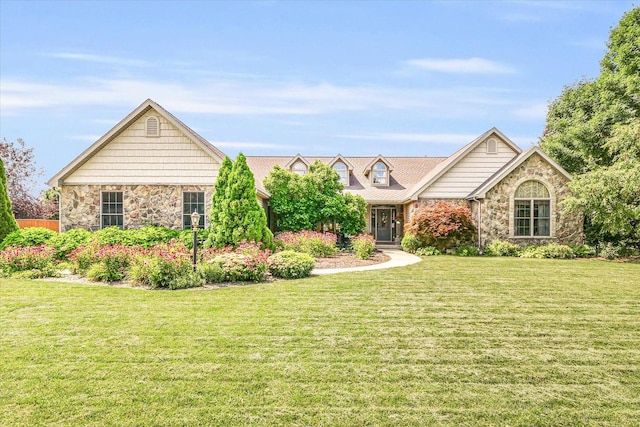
(151, 168)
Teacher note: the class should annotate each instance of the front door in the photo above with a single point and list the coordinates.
(382, 221)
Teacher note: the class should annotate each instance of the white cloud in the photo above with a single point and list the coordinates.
(461, 66)
(104, 59)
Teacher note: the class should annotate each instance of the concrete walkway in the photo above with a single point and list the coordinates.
(398, 259)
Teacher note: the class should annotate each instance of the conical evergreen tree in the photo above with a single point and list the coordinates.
(219, 203)
(8, 223)
(244, 218)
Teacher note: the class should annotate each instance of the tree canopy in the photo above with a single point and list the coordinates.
(593, 131)
(7, 221)
(21, 172)
(314, 201)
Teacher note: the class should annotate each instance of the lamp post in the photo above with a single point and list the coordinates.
(195, 220)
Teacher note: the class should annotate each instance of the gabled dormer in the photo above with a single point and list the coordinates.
(379, 171)
(343, 168)
(298, 165)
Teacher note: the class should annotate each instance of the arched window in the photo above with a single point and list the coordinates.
(299, 167)
(532, 213)
(152, 126)
(380, 174)
(343, 172)
(492, 146)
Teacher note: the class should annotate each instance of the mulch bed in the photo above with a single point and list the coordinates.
(345, 260)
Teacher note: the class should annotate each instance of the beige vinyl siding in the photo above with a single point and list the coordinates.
(133, 158)
(470, 172)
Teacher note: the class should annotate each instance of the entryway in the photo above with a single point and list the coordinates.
(383, 223)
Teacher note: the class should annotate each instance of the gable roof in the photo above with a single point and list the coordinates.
(482, 190)
(341, 158)
(123, 125)
(380, 158)
(456, 157)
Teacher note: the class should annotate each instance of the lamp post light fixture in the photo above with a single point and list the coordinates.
(195, 220)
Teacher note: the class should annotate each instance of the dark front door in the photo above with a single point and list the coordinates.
(383, 225)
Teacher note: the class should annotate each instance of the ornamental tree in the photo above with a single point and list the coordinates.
(443, 225)
(219, 203)
(8, 223)
(314, 201)
(21, 171)
(240, 217)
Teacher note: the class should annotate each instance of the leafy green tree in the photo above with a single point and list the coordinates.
(219, 203)
(593, 131)
(314, 201)
(8, 223)
(240, 216)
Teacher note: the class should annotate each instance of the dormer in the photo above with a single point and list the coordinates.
(379, 171)
(298, 165)
(343, 168)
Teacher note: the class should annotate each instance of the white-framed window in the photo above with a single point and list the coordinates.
(192, 201)
(299, 167)
(532, 210)
(152, 127)
(380, 174)
(342, 171)
(492, 146)
(111, 209)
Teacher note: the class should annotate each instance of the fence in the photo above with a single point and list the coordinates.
(51, 224)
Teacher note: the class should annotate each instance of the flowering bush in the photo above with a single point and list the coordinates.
(165, 265)
(311, 242)
(290, 264)
(443, 225)
(115, 260)
(40, 259)
(363, 246)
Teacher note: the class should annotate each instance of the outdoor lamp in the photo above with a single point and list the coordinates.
(195, 220)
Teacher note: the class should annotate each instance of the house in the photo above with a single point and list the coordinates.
(153, 169)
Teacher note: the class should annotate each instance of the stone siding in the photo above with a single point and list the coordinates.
(159, 205)
(497, 208)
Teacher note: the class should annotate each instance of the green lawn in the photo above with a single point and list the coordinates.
(448, 341)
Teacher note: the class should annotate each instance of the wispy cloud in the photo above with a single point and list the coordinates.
(104, 59)
(436, 138)
(461, 66)
(247, 144)
(534, 111)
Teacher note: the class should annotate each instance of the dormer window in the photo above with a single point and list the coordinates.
(152, 127)
(492, 146)
(299, 167)
(380, 174)
(343, 173)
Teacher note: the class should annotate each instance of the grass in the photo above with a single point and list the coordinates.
(449, 341)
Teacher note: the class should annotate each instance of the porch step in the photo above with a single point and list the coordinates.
(383, 246)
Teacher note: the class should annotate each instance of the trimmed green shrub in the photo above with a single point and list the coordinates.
(467, 251)
(428, 251)
(552, 250)
(502, 248)
(314, 243)
(410, 243)
(151, 235)
(111, 236)
(31, 236)
(583, 251)
(66, 242)
(212, 272)
(363, 246)
(290, 264)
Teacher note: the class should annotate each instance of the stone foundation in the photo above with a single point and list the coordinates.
(159, 205)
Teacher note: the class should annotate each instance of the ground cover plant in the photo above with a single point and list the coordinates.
(448, 341)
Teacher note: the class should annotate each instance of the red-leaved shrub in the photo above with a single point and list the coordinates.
(443, 225)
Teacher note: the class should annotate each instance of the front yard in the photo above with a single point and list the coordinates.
(448, 341)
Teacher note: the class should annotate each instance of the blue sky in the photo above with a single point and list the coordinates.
(273, 78)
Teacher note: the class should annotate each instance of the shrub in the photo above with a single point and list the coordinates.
(31, 236)
(583, 251)
(240, 267)
(410, 243)
(98, 273)
(363, 246)
(166, 265)
(443, 225)
(150, 235)
(611, 251)
(428, 251)
(66, 242)
(111, 236)
(552, 250)
(502, 248)
(114, 261)
(467, 251)
(83, 256)
(16, 258)
(212, 272)
(290, 264)
(311, 242)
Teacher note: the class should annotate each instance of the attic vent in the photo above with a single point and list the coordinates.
(492, 146)
(153, 126)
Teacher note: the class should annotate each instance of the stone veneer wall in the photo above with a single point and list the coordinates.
(143, 205)
(497, 207)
